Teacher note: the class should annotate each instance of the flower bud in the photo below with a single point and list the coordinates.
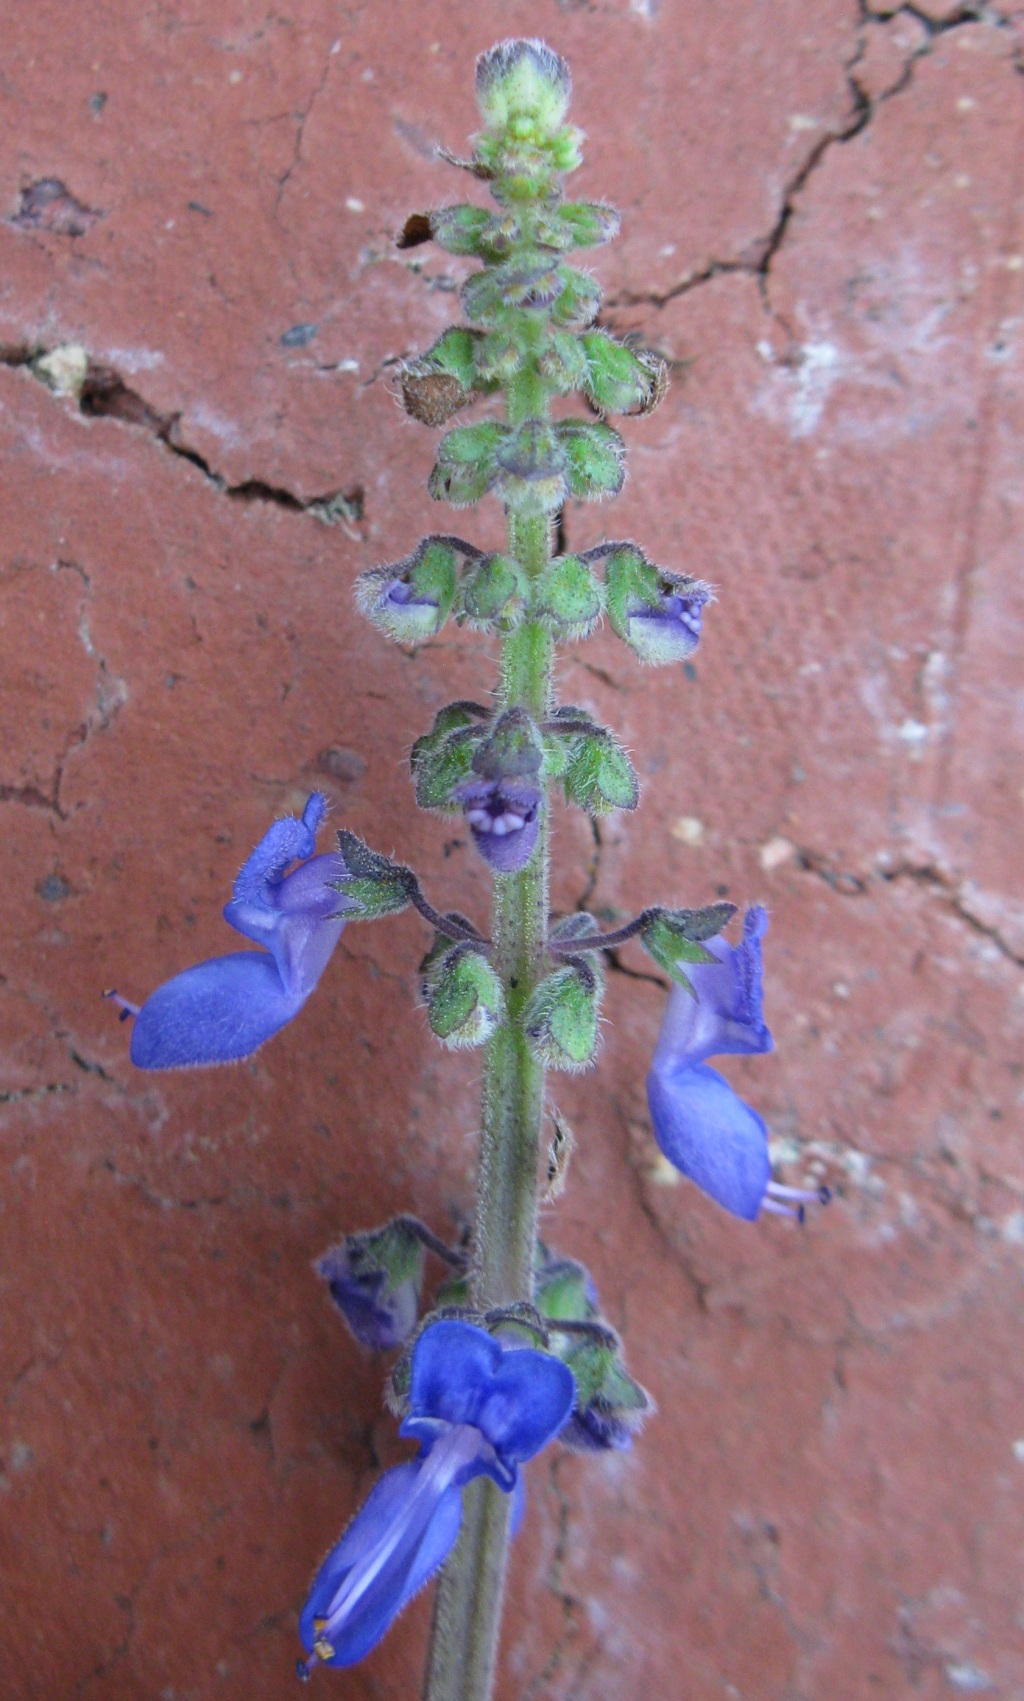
(577, 303)
(493, 594)
(410, 600)
(560, 1019)
(498, 358)
(523, 86)
(531, 466)
(464, 997)
(465, 467)
(563, 1290)
(596, 457)
(463, 230)
(658, 614)
(569, 597)
(375, 1280)
(526, 281)
(442, 758)
(563, 362)
(588, 223)
(610, 1406)
(619, 380)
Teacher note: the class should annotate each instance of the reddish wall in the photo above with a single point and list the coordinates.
(822, 227)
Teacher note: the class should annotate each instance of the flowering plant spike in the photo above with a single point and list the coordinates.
(512, 1353)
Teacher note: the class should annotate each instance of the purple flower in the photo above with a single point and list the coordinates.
(376, 1279)
(478, 1407)
(700, 1123)
(670, 630)
(224, 1009)
(504, 818)
(593, 1429)
(380, 1312)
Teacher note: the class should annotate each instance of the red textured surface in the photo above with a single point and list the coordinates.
(822, 226)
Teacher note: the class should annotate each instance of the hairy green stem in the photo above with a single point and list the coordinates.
(467, 1615)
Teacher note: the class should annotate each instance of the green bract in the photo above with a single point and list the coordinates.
(561, 1017)
(375, 884)
(464, 997)
(596, 457)
(569, 597)
(411, 599)
(466, 464)
(443, 757)
(599, 776)
(675, 937)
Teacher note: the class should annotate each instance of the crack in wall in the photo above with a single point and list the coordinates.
(955, 894)
(101, 393)
(111, 693)
(759, 256)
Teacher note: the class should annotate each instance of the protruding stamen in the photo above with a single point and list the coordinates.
(126, 1007)
(777, 1195)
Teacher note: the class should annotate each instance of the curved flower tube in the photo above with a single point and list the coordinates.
(478, 1407)
(700, 1123)
(224, 1009)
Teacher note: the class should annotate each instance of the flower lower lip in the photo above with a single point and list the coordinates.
(499, 825)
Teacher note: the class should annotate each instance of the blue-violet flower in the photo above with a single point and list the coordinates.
(224, 1009)
(700, 1122)
(478, 1406)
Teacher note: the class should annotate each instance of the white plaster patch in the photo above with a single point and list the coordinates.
(64, 369)
(775, 852)
(134, 359)
(688, 830)
(225, 430)
(968, 1679)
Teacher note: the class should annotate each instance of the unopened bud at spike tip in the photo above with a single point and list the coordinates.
(521, 83)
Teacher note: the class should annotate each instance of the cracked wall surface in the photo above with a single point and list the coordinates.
(200, 309)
